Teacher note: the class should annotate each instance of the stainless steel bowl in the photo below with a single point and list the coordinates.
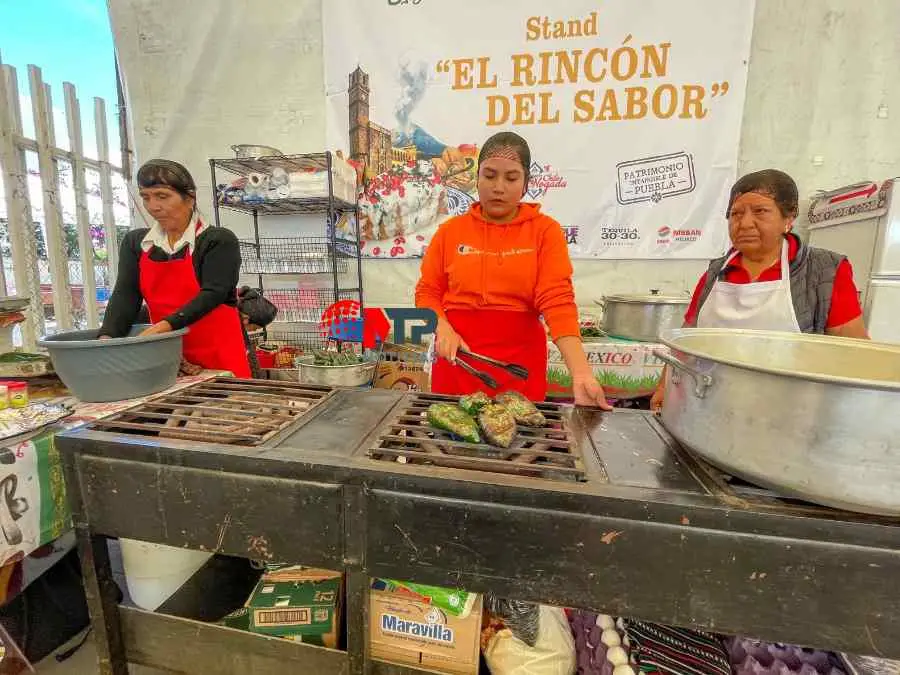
(807, 416)
(353, 375)
(250, 151)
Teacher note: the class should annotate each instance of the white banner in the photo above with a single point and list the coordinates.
(632, 111)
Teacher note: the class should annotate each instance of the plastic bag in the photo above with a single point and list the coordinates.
(258, 310)
(520, 617)
(552, 654)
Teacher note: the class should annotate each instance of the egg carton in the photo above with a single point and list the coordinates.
(601, 645)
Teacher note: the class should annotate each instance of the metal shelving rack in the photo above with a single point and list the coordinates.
(295, 256)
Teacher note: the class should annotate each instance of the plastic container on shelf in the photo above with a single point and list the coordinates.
(18, 394)
(154, 572)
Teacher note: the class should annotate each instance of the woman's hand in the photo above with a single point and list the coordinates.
(587, 390)
(157, 329)
(658, 398)
(448, 341)
(188, 368)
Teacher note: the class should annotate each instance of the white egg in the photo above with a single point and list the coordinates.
(617, 656)
(620, 623)
(626, 642)
(610, 638)
(623, 670)
(605, 622)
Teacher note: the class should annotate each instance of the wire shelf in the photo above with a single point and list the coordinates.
(293, 255)
(305, 304)
(303, 339)
(314, 162)
(289, 206)
(244, 166)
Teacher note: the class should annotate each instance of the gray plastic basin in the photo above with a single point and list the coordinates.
(100, 371)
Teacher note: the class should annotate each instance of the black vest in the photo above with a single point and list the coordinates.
(812, 280)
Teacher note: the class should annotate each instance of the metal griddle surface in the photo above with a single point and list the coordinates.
(341, 423)
(633, 450)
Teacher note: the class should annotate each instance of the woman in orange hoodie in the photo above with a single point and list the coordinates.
(490, 275)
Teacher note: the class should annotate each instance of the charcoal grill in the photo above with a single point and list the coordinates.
(550, 452)
(221, 410)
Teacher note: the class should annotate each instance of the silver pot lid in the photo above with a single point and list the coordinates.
(652, 298)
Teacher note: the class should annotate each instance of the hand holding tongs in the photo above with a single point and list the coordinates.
(513, 369)
(480, 374)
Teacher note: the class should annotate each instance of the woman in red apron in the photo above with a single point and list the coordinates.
(185, 271)
(492, 274)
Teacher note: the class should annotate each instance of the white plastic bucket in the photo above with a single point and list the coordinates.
(154, 572)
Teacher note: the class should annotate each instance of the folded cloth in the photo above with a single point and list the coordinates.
(676, 651)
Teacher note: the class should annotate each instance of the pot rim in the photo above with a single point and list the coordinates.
(670, 339)
(648, 299)
(52, 342)
(301, 362)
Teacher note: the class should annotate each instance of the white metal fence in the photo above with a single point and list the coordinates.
(55, 250)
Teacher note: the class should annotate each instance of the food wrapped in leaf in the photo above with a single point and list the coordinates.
(522, 409)
(328, 358)
(498, 425)
(473, 403)
(454, 419)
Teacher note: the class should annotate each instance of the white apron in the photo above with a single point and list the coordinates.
(759, 305)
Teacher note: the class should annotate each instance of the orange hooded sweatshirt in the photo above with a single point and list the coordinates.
(519, 266)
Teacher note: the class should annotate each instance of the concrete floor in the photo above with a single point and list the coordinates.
(84, 662)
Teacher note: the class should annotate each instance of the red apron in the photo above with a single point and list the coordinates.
(513, 337)
(215, 341)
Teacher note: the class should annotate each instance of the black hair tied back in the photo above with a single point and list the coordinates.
(773, 183)
(504, 144)
(166, 173)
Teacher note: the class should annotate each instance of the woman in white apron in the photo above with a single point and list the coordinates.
(770, 280)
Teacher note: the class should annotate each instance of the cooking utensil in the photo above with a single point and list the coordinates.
(99, 371)
(251, 151)
(513, 369)
(808, 416)
(353, 375)
(17, 425)
(642, 317)
(480, 374)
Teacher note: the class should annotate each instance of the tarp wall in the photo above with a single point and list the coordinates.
(206, 74)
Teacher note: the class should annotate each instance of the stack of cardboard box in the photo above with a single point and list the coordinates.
(430, 628)
(293, 602)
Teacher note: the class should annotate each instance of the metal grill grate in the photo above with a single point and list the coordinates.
(221, 410)
(550, 452)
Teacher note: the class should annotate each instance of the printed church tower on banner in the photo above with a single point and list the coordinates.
(370, 143)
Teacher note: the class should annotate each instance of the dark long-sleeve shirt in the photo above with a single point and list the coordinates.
(216, 262)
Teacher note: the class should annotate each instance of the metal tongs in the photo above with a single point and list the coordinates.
(513, 369)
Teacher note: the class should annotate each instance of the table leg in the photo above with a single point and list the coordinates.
(100, 587)
(102, 594)
(357, 580)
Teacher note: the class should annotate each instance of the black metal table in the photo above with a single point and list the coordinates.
(650, 533)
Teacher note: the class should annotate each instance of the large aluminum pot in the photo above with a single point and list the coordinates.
(807, 416)
(643, 317)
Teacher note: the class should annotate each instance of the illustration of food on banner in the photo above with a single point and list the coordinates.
(413, 181)
(634, 136)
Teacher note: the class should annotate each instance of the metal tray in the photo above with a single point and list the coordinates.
(32, 420)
